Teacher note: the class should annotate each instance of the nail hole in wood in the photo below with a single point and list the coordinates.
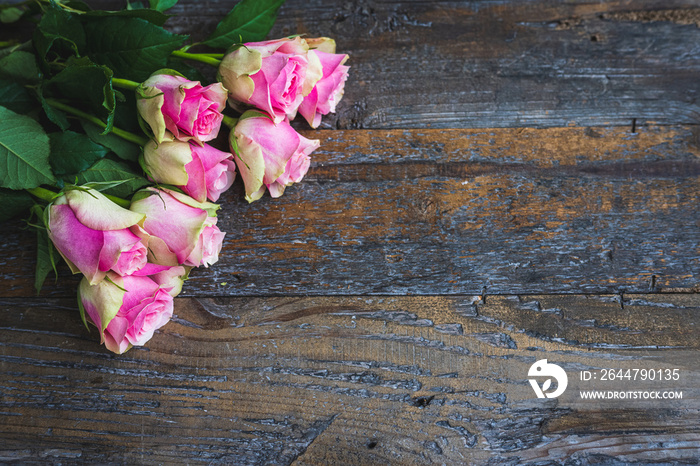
(422, 401)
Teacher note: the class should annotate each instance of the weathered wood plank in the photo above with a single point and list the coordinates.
(472, 64)
(481, 222)
(355, 380)
(539, 63)
(559, 210)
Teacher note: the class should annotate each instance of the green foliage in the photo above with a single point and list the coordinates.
(152, 16)
(56, 117)
(185, 69)
(71, 153)
(162, 5)
(17, 70)
(76, 5)
(20, 66)
(24, 152)
(61, 29)
(15, 97)
(45, 251)
(10, 15)
(112, 170)
(124, 116)
(13, 203)
(87, 83)
(132, 47)
(81, 308)
(123, 149)
(249, 21)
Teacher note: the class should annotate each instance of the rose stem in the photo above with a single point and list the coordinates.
(118, 200)
(209, 60)
(43, 194)
(125, 84)
(230, 121)
(48, 196)
(65, 7)
(218, 56)
(131, 137)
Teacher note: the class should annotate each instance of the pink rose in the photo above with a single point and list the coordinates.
(273, 76)
(128, 309)
(92, 234)
(187, 227)
(269, 155)
(183, 107)
(202, 172)
(329, 89)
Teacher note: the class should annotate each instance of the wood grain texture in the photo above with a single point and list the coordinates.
(537, 63)
(558, 210)
(351, 380)
(525, 171)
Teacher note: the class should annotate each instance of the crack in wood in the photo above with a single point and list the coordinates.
(316, 429)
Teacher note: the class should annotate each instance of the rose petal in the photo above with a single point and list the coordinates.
(95, 211)
(177, 224)
(79, 245)
(122, 251)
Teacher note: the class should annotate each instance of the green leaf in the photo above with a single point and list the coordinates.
(162, 5)
(81, 308)
(186, 70)
(58, 27)
(56, 116)
(124, 115)
(71, 153)
(10, 15)
(15, 97)
(134, 5)
(249, 21)
(24, 152)
(111, 170)
(77, 5)
(45, 256)
(123, 149)
(152, 16)
(88, 83)
(132, 47)
(102, 186)
(21, 67)
(13, 203)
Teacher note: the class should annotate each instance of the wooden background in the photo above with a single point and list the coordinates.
(504, 181)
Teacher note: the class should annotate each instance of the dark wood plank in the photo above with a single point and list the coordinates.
(538, 63)
(351, 380)
(501, 211)
(488, 64)
(299, 348)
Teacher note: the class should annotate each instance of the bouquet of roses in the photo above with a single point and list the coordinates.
(107, 138)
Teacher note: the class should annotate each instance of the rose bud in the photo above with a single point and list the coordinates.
(202, 172)
(269, 155)
(329, 89)
(183, 107)
(128, 309)
(187, 227)
(273, 76)
(92, 234)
